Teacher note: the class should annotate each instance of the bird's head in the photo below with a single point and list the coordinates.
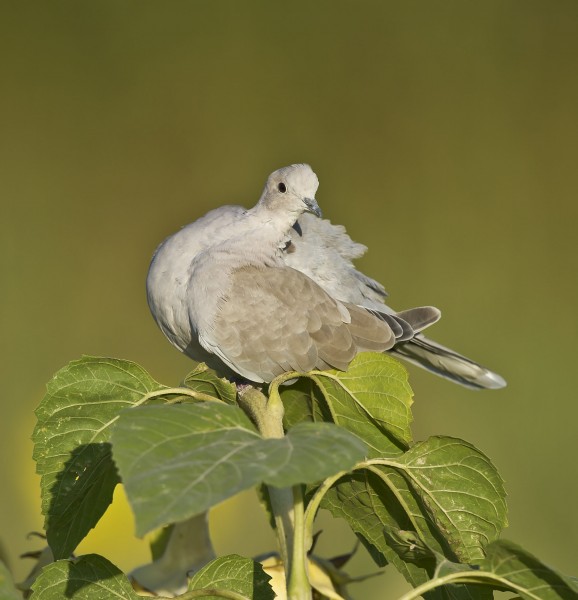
(292, 190)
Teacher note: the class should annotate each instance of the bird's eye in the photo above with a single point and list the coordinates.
(282, 187)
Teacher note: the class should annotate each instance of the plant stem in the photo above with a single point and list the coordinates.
(298, 586)
(478, 577)
(200, 396)
(230, 595)
(286, 503)
(313, 506)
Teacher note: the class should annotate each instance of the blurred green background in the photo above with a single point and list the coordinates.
(445, 136)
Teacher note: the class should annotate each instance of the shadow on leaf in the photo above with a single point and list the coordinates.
(80, 496)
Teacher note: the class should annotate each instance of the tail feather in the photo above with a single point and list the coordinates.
(447, 363)
(407, 323)
(421, 317)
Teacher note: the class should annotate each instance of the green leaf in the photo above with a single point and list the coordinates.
(8, 590)
(409, 546)
(507, 567)
(299, 402)
(310, 452)
(71, 448)
(461, 490)
(527, 575)
(235, 573)
(371, 508)
(89, 577)
(443, 489)
(372, 399)
(204, 380)
(177, 461)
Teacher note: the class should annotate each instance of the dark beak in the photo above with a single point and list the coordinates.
(312, 206)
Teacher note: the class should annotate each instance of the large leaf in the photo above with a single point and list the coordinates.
(374, 503)
(89, 577)
(235, 573)
(371, 399)
(462, 491)
(177, 461)
(443, 489)
(507, 567)
(71, 448)
(412, 548)
(527, 575)
(204, 380)
(383, 517)
(92, 577)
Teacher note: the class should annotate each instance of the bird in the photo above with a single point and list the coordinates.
(255, 293)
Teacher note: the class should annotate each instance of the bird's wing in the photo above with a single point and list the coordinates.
(276, 319)
(325, 252)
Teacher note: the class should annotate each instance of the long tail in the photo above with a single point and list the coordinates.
(447, 363)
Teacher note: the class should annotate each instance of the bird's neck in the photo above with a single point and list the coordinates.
(270, 226)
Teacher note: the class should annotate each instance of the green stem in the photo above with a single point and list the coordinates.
(313, 507)
(155, 394)
(180, 392)
(478, 577)
(213, 592)
(282, 506)
(393, 489)
(270, 425)
(298, 587)
(267, 415)
(286, 503)
(274, 385)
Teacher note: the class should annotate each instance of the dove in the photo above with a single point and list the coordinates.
(272, 289)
